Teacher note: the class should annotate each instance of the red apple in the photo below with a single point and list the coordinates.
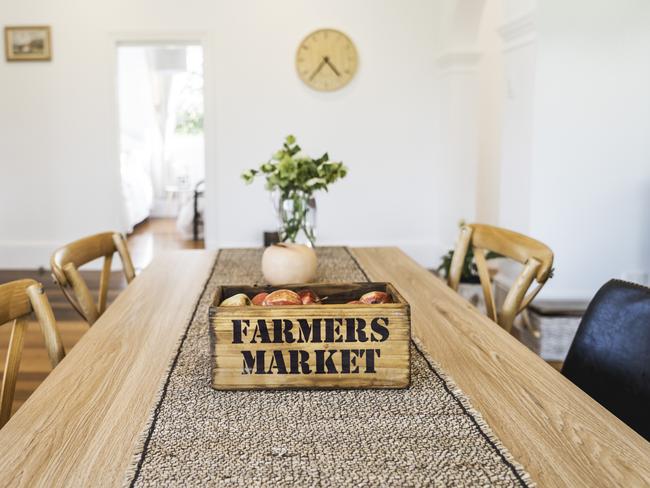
(282, 297)
(308, 297)
(375, 297)
(259, 298)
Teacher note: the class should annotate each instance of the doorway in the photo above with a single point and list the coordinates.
(160, 89)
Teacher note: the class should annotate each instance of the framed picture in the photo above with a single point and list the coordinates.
(28, 43)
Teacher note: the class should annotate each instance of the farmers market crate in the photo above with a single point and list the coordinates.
(329, 345)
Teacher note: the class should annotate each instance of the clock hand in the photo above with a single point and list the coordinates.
(320, 66)
(329, 63)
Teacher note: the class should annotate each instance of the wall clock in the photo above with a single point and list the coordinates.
(326, 60)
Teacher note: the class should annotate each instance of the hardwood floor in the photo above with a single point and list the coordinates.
(155, 236)
(149, 239)
(35, 365)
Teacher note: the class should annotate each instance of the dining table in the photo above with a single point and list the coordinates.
(82, 425)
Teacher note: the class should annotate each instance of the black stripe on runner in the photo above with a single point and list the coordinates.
(474, 421)
(357, 263)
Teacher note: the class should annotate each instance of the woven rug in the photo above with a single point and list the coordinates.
(422, 436)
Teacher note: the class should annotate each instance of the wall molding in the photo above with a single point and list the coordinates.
(36, 254)
(519, 31)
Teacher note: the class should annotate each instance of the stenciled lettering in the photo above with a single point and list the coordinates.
(345, 359)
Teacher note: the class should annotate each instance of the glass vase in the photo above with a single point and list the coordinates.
(297, 218)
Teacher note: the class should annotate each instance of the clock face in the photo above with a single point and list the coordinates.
(326, 60)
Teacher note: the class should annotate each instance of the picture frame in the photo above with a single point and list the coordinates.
(28, 43)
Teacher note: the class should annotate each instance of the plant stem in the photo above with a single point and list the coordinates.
(295, 220)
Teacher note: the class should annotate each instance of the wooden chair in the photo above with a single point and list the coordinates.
(536, 257)
(66, 261)
(18, 299)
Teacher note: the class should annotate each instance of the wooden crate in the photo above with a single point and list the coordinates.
(329, 345)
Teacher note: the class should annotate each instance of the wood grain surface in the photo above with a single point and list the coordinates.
(80, 427)
(559, 434)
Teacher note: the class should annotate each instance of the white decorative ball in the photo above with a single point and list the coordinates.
(287, 263)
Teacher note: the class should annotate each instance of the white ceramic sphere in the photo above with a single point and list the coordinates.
(287, 263)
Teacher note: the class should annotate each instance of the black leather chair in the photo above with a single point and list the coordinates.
(610, 355)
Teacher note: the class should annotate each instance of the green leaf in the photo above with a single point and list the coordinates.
(315, 181)
(249, 175)
(296, 175)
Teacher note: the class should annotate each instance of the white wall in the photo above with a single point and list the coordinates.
(58, 146)
(382, 125)
(490, 99)
(574, 155)
(458, 85)
(517, 132)
(58, 122)
(590, 183)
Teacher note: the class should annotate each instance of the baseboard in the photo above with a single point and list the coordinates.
(36, 254)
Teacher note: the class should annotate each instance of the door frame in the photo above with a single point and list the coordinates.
(147, 38)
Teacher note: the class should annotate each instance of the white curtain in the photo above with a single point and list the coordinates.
(164, 64)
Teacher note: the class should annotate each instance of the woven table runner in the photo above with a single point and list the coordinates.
(425, 435)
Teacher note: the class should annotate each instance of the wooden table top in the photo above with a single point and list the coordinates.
(81, 426)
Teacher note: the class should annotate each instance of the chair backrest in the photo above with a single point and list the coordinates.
(610, 355)
(65, 263)
(18, 299)
(536, 257)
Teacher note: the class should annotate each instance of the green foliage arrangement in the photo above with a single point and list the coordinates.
(291, 172)
(296, 177)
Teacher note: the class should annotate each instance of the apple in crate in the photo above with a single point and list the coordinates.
(238, 300)
(308, 297)
(374, 297)
(282, 297)
(286, 263)
(259, 298)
